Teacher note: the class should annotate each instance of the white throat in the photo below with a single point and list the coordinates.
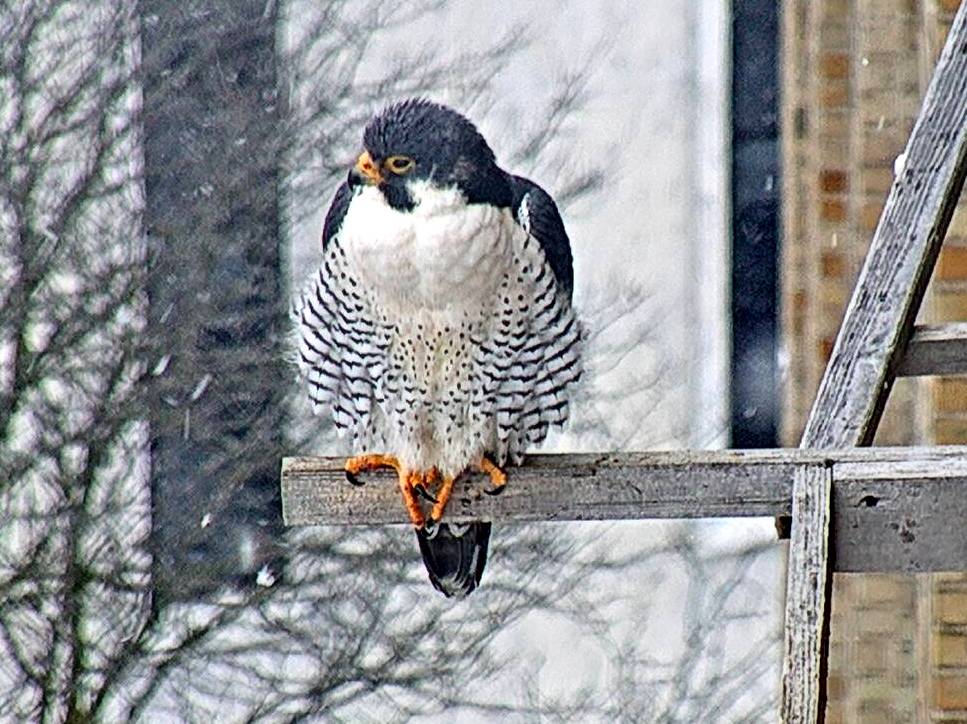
(438, 255)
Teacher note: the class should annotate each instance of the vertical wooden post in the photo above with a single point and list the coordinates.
(807, 591)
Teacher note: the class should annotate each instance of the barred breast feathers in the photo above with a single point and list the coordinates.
(342, 348)
(497, 311)
(533, 357)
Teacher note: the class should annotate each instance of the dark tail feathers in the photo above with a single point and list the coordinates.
(454, 555)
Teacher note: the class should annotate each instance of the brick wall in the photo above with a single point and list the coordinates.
(874, 656)
(945, 417)
(854, 73)
(948, 648)
(814, 277)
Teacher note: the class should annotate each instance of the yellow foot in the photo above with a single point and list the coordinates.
(498, 478)
(360, 463)
(410, 481)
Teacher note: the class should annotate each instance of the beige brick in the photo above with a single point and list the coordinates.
(877, 181)
(835, 688)
(882, 71)
(833, 210)
(833, 126)
(834, 94)
(950, 607)
(887, 590)
(958, 224)
(950, 431)
(882, 149)
(950, 395)
(950, 649)
(942, 35)
(948, 581)
(886, 35)
(870, 215)
(881, 710)
(834, 25)
(952, 264)
(835, 149)
(825, 348)
(834, 65)
(950, 692)
(834, 296)
(833, 264)
(870, 655)
(884, 621)
(950, 306)
(835, 8)
(834, 714)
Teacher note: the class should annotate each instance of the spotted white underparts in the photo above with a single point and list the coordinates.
(439, 334)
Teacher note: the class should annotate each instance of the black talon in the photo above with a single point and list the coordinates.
(494, 492)
(424, 493)
(353, 480)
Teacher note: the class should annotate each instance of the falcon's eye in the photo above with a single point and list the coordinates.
(399, 164)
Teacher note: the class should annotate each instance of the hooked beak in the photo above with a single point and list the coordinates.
(365, 171)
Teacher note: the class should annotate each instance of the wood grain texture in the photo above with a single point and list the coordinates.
(896, 509)
(939, 349)
(880, 315)
(560, 487)
(807, 592)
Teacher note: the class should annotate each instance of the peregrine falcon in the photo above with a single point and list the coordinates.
(439, 329)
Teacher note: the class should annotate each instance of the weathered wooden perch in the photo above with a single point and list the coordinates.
(936, 349)
(896, 509)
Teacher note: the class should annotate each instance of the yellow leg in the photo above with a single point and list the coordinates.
(498, 478)
(407, 482)
(442, 498)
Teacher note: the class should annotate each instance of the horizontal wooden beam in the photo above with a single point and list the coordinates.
(939, 349)
(894, 509)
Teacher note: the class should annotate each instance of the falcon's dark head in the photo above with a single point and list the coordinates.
(418, 140)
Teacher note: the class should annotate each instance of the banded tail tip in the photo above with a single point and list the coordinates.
(454, 555)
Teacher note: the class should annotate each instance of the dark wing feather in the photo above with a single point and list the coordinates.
(533, 353)
(535, 210)
(337, 212)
